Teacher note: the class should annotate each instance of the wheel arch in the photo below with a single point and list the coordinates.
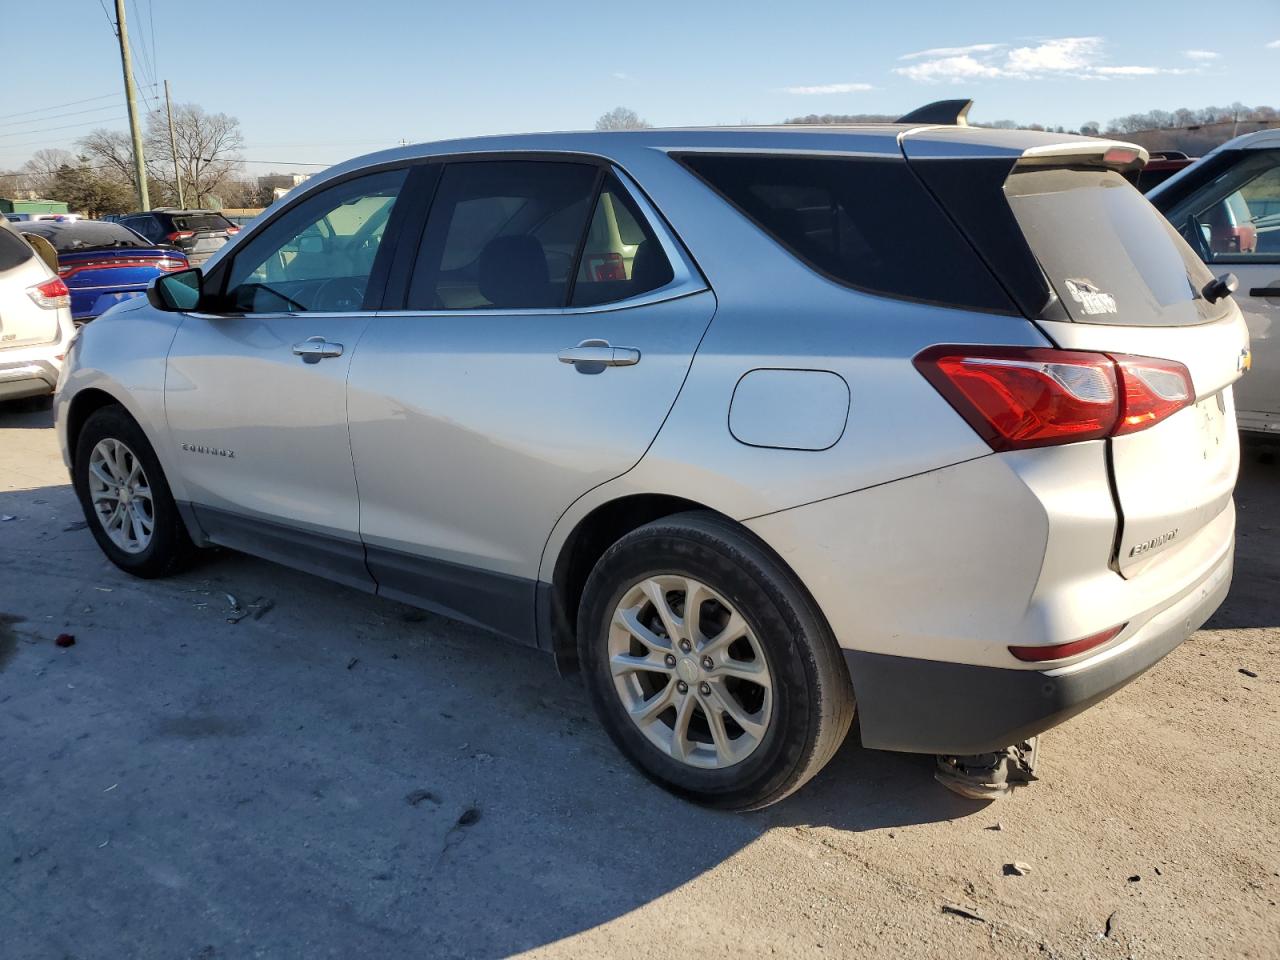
(83, 405)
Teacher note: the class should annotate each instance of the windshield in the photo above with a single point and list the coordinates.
(1110, 255)
(85, 235)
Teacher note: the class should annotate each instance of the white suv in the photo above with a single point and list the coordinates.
(35, 319)
(750, 426)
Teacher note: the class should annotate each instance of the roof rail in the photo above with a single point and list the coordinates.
(945, 112)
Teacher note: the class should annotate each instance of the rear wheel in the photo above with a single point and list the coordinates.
(125, 497)
(709, 665)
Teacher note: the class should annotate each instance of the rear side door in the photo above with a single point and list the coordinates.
(1232, 221)
(546, 324)
(255, 391)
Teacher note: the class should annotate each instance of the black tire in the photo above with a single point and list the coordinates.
(170, 548)
(813, 702)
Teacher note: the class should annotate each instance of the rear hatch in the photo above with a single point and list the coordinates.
(200, 235)
(23, 322)
(1100, 270)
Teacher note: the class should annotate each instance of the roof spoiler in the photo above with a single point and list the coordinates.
(954, 113)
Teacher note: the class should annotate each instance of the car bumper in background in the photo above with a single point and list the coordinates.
(1255, 425)
(26, 378)
(927, 706)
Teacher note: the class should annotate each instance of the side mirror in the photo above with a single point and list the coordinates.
(177, 292)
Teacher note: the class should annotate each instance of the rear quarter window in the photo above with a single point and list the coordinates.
(13, 249)
(865, 223)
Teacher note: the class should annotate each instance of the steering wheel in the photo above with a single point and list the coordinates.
(339, 295)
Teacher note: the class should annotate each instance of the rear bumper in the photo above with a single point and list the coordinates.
(27, 378)
(927, 706)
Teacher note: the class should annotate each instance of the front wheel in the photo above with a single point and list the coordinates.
(125, 497)
(709, 665)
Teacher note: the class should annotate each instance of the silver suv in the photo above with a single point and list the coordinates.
(748, 426)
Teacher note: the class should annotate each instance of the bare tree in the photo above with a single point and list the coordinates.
(41, 171)
(621, 118)
(208, 151)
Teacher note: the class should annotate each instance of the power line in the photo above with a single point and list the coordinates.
(59, 116)
(68, 126)
(58, 106)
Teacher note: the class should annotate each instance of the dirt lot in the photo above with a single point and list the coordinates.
(343, 776)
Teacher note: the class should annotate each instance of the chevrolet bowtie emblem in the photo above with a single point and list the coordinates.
(1245, 360)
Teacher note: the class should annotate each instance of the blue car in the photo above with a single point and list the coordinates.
(103, 263)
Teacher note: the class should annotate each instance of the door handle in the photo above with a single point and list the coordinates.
(599, 353)
(315, 349)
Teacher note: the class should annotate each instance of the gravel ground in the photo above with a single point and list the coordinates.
(337, 775)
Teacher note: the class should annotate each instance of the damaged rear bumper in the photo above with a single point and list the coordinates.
(927, 706)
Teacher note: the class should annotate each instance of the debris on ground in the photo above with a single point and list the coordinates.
(75, 525)
(1017, 869)
(995, 826)
(1248, 673)
(965, 912)
(6, 517)
(989, 776)
(1111, 924)
(418, 796)
(352, 662)
(469, 816)
(266, 607)
(255, 608)
(65, 640)
(1135, 878)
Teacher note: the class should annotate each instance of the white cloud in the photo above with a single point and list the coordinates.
(936, 52)
(1201, 55)
(1274, 45)
(619, 75)
(826, 88)
(1065, 54)
(1141, 71)
(1079, 57)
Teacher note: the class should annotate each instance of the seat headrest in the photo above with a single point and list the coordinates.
(513, 273)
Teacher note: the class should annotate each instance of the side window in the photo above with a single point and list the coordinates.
(502, 233)
(622, 258)
(319, 255)
(1236, 218)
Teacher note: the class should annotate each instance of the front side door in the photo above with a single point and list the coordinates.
(256, 392)
(548, 323)
(1233, 222)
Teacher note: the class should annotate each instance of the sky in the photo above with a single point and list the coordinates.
(316, 82)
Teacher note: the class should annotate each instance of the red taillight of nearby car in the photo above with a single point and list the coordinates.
(1020, 397)
(605, 266)
(167, 264)
(179, 235)
(232, 231)
(51, 294)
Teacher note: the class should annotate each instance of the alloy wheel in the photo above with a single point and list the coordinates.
(121, 495)
(690, 672)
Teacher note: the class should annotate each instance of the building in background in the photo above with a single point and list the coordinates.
(273, 186)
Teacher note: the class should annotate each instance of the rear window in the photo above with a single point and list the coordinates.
(866, 223)
(13, 249)
(1110, 256)
(84, 235)
(201, 222)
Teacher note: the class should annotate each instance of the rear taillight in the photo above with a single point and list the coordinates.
(1150, 391)
(51, 294)
(1019, 397)
(1060, 651)
(232, 231)
(169, 266)
(179, 235)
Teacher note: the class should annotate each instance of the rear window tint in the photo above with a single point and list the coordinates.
(207, 221)
(866, 223)
(85, 235)
(13, 249)
(1110, 255)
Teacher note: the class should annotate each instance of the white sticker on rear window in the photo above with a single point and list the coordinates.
(1092, 300)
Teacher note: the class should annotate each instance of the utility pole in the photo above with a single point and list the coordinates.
(173, 147)
(131, 97)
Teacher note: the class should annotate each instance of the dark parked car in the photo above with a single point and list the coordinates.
(103, 263)
(197, 233)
